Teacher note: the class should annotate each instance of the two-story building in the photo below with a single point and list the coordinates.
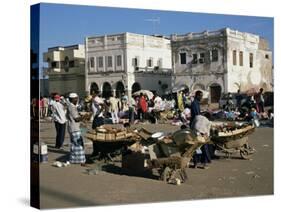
(66, 69)
(221, 61)
(127, 62)
(218, 61)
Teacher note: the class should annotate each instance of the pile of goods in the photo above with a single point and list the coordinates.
(167, 115)
(230, 129)
(108, 133)
(231, 138)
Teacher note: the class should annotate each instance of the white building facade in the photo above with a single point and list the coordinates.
(66, 69)
(221, 61)
(127, 62)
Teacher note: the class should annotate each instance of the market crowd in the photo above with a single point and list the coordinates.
(181, 108)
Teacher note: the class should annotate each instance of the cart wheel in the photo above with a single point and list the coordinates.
(227, 155)
(245, 154)
(166, 174)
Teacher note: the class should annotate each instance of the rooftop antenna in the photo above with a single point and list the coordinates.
(154, 22)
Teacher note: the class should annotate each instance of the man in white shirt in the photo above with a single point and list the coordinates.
(113, 109)
(97, 104)
(157, 103)
(59, 117)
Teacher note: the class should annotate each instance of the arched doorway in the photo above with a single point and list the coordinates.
(136, 87)
(215, 92)
(106, 90)
(94, 87)
(119, 89)
(198, 87)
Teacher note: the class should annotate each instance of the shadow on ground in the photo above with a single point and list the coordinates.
(113, 169)
(67, 197)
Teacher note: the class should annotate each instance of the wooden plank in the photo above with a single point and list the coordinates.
(100, 136)
(110, 136)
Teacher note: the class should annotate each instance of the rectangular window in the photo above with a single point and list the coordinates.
(100, 62)
(149, 62)
(54, 64)
(194, 59)
(241, 58)
(266, 56)
(119, 60)
(109, 61)
(183, 58)
(251, 60)
(215, 55)
(135, 62)
(92, 62)
(234, 59)
(202, 58)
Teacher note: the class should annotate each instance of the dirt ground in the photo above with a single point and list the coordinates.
(74, 187)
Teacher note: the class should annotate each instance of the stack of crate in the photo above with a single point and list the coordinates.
(109, 134)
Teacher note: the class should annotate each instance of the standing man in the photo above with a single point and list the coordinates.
(45, 106)
(97, 104)
(132, 109)
(260, 101)
(195, 106)
(41, 102)
(204, 151)
(238, 99)
(77, 153)
(113, 109)
(180, 101)
(142, 107)
(59, 117)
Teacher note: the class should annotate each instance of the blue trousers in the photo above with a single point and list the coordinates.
(204, 158)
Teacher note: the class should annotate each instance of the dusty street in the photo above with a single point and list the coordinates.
(73, 186)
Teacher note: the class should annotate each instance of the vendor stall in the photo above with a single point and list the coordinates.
(232, 137)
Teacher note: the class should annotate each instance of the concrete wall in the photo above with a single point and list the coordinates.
(64, 84)
(200, 75)
(129, 46)
(223, 72)
(146, 48)
(63, 80)
(246, 77)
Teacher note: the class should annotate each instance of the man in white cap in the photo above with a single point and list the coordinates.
(77, 153)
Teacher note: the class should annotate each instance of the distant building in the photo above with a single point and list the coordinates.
(128, 62)
(66, 69)
(221, 61)
(44, 87)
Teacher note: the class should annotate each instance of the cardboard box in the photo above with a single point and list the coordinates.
(135, 162)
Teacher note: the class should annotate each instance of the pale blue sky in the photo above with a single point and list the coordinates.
(62, 24)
